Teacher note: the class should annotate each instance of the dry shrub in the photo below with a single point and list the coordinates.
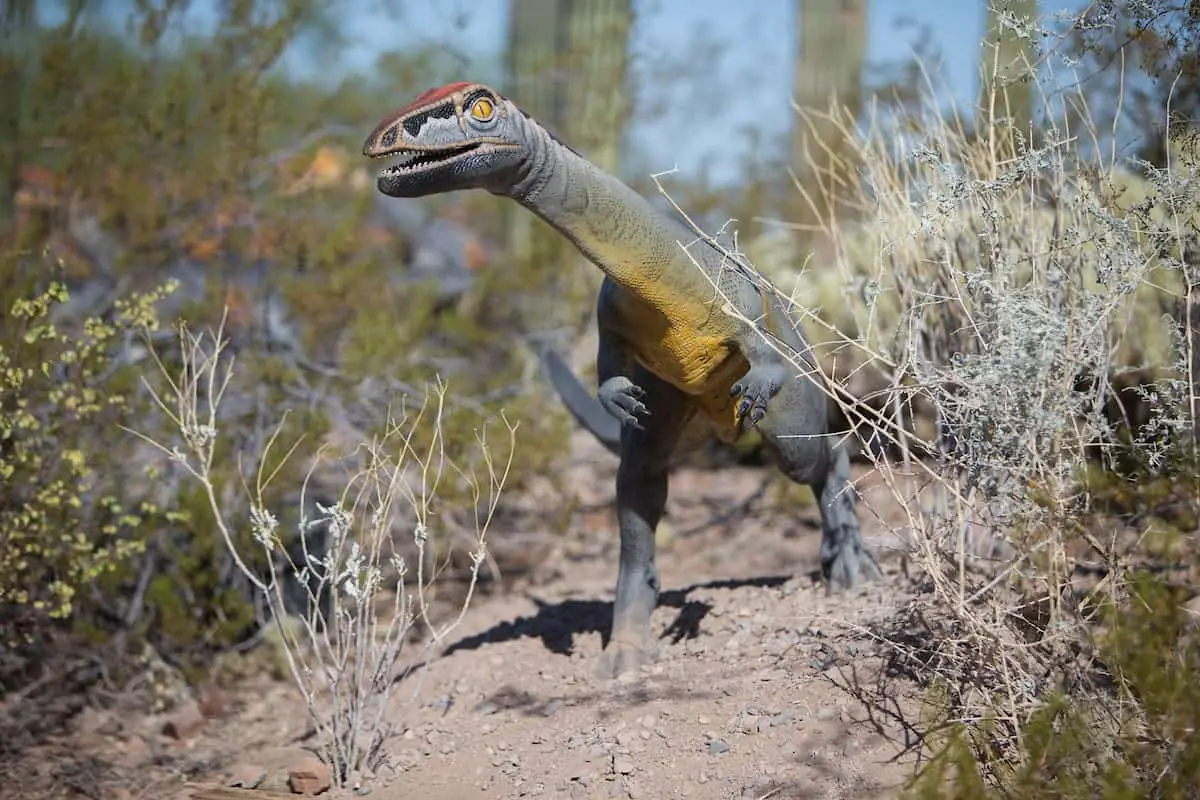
(1009, 295)
(366, 564)
(1002, 289)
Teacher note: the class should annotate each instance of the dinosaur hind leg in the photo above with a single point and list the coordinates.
(794, 429)
(845, 562)
(641, 498)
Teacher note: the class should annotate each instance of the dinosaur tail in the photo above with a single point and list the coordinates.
(582, 404)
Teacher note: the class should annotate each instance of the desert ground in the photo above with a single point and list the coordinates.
(766, 686)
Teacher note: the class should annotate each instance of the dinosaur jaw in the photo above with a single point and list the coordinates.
(415, 173)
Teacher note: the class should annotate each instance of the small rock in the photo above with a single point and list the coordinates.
(486, 708)
(626, 738)
(826, 713)
(763, 724)
(246, 776)
(622, 765)
(717, 746)
(184, 721)
(309, 776)
(552, 708)
(649, 721)
(785, 717)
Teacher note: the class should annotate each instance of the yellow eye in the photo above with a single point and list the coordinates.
(482, 109)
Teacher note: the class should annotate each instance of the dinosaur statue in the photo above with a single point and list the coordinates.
(671, 361)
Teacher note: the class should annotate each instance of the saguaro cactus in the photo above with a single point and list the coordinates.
(1007, 60)
(567, 62)
(831, 48)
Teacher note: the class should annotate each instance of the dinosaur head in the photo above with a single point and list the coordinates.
(458, 136)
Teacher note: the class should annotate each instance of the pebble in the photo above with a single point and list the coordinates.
(785, 717)
(717, 746)
(184, 721)
(309, 776)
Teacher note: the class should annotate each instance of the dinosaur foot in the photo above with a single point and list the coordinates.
(623, 657)
(756, 388)
(622, 398)
(849, 568)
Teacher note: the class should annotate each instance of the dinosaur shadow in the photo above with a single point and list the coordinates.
(557, 624)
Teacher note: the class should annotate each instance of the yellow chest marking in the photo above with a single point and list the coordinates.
(689, 344)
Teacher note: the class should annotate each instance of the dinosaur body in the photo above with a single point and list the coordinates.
(670, 359)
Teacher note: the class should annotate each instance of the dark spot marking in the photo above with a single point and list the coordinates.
(417, 121)
(389, 137)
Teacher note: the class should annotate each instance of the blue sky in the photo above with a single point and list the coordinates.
(755, 71)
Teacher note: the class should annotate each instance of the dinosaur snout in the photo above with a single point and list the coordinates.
(382, 139)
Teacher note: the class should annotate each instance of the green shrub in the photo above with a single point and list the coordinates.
(63, 518)
(1134, 737)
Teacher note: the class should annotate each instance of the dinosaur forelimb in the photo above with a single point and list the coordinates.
(623, 398)
(756, 388)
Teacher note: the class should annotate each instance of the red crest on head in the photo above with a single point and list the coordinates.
(435, 94)
(425, 98)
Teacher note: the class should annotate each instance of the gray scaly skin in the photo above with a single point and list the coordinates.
(670, 359)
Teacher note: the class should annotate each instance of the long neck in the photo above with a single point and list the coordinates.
(612, 225)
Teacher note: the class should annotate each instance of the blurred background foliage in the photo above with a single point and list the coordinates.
(156, 158)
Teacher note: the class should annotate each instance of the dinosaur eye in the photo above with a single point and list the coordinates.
(482, 109)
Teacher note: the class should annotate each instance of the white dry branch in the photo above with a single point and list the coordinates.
(365, 601)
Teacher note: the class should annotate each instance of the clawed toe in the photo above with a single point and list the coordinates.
(623, 399)
(756, 388)
(850, 569)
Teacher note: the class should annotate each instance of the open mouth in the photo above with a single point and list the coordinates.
(409, 161)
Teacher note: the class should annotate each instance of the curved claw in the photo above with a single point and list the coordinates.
(756, 388)
(622, 398)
